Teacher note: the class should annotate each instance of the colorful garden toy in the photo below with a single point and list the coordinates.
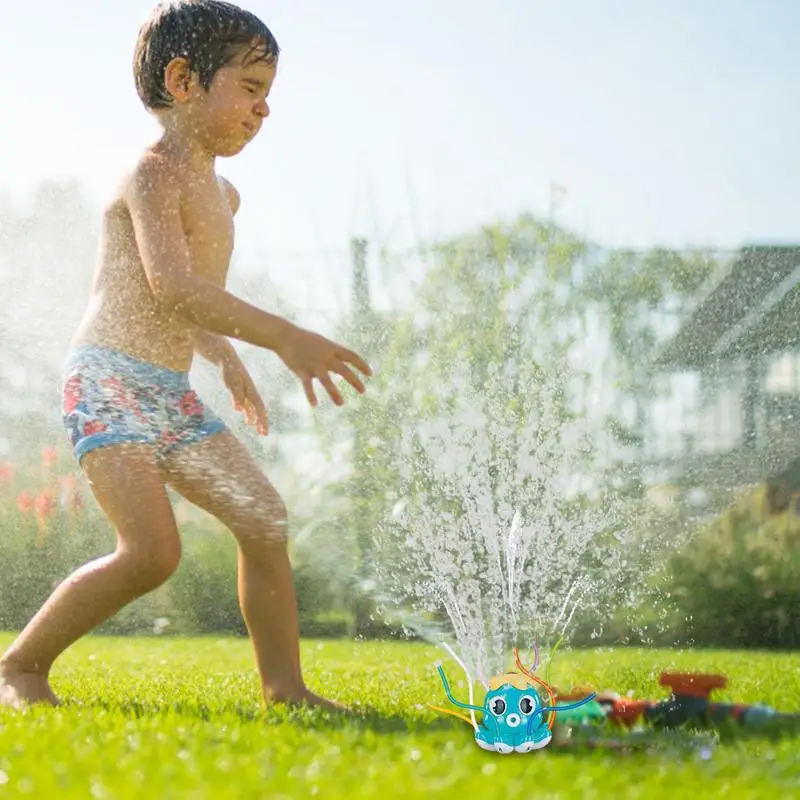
(513, 714)
(690, 701)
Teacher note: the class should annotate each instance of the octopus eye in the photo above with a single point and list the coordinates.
(498, 706)
(526, 704)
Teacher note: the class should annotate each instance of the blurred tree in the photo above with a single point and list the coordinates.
(493, 317)
(46, 259)
(500, 315)
(636, 293)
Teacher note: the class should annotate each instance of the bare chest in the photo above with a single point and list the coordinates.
(209, 227)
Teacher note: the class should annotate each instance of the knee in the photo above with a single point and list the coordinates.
(150, 567)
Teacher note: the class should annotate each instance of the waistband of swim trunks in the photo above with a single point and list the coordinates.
(112, 360)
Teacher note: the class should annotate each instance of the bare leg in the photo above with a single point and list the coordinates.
(220, 476)
(269, 607)
(128, 486)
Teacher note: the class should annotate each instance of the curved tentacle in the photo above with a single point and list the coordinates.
(463, 666)
(555, 709)
(451, 713)
(536, 657)
(552, 657)
(551, 720)
(465, 705)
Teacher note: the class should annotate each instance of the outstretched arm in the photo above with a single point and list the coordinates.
(154, 201)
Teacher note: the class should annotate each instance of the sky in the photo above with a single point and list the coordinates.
(667, 123)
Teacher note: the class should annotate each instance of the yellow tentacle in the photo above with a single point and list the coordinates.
(451, 713)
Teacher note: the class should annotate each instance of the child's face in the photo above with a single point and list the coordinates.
(229, 115)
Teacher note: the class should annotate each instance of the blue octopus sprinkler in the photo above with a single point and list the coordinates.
(513, 712)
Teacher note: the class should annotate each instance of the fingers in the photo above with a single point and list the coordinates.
(324, 377)
(247, 400)
(330, 387)
(351, 378)
(238, 394)
(308, 388)
(245, 407)
(260, 415)
(353, 358)
(334, 361)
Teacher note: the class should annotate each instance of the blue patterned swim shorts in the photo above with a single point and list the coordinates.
(113, 398)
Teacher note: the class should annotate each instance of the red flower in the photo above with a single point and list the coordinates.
(49, 456)
(44, 504)
(72, 393)
(93, 426)
(6, 473)
(190, 404)
(71, 498)
(25, 502)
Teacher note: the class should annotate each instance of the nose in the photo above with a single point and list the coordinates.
(512, 720)
(262, 109)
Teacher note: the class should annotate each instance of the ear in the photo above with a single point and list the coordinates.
(178, 79)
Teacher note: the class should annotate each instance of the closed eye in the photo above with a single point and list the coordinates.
(253, 86)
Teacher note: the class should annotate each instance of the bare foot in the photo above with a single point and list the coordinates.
(304, 699)
(19, 689)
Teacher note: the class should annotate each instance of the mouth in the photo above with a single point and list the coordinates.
(250, 128)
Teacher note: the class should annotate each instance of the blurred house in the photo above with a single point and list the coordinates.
(734, 371)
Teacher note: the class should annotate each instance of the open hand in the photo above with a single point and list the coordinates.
(245, 395)
(311, 356)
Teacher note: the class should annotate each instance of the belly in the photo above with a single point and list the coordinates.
(137, 327)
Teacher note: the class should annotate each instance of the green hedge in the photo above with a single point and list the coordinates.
(737, 582)
(200, 598)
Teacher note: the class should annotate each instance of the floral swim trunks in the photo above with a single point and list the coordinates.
(113, 398)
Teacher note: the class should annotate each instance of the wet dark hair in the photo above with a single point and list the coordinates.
(208, 33)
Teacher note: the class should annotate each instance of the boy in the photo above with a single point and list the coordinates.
(204, 68)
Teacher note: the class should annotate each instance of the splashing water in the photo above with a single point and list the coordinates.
(501, 532)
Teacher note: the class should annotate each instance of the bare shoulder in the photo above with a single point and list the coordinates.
(232, 193)
(147, 180)
(153, 175)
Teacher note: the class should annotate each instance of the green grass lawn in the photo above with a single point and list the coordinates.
(170, 718)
